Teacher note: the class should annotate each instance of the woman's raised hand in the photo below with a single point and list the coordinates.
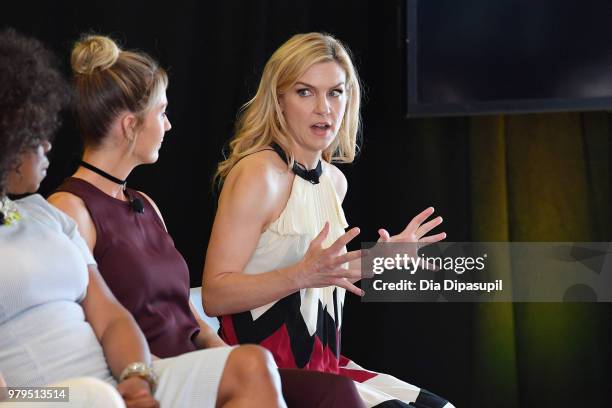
(322, 267)
(415, 231)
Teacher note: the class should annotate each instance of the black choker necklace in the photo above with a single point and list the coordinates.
(103, 173)
(135, 203)
(298, 168)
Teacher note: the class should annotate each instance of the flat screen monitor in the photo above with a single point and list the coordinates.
(466, 57)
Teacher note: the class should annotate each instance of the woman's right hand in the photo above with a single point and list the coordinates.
(322, 267)
(136, 393)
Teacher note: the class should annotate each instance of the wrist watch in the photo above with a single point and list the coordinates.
(140, 369)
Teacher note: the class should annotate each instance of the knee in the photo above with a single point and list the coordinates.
(251, 361)
(342, 389)
(339, 383)
(336, 388)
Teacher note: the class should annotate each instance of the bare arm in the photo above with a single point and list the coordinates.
(246, 205)
(76, 209)
(121, 339)
(115, 328)
(249, 201)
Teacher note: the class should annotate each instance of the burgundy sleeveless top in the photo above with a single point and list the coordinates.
(141, 266)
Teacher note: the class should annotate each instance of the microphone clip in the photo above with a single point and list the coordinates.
(136, 205)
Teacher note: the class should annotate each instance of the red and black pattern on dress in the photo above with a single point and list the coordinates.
(282, 330)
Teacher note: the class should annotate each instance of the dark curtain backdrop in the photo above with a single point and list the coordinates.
(538, 177)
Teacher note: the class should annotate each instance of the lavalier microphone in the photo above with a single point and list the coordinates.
(135, 203)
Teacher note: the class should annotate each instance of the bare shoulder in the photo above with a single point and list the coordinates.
(338, 178)
(260, 180)
(263, 163)
(260, 172)
(69, 203)
(75, 207)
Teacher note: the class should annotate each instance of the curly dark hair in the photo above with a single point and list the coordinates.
(32, 94)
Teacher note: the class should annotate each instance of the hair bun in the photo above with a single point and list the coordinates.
(93, 53)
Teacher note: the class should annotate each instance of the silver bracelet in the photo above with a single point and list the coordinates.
(140, 369)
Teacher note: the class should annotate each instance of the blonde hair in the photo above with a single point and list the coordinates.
(109, 81)
(261, 120)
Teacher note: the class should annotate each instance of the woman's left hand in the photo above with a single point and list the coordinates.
(416, 230)
(413, 233)
(215, 342)
(207, 337)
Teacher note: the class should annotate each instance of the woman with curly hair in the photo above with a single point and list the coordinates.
(277, 268)
(32, 93)
(58, 319)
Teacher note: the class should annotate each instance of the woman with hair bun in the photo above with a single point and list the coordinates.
(281, 279)
(120, 100)
(120, 103)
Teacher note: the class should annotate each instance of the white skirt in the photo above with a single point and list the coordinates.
(191, 379)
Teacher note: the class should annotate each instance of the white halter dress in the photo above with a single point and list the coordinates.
(303, 329)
